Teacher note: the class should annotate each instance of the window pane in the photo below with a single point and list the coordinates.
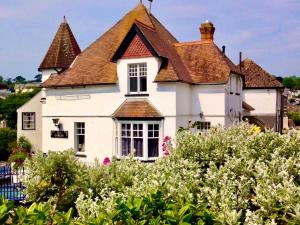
(126, 146)
(143, 84)
(133, 84)
(153, 147)
(138, 146)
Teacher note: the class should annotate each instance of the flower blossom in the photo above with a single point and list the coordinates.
(106, 161)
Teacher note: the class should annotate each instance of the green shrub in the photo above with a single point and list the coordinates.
(238, 175)
(57, 179)
(20, 152)
(7, 137)
(295, 116)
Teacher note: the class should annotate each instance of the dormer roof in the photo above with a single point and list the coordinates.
(63, 49)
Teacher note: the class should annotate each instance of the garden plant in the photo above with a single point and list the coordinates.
(238, 175)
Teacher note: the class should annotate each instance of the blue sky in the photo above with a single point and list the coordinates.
(268, 31)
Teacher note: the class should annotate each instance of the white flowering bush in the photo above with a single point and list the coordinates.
(247, 176)
(238, 175)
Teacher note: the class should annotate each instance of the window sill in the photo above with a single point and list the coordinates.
(136, 95)
(149, 160)
(80, 155)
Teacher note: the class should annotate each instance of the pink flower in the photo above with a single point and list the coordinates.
(167, 138)
(166, 152)
(106, 161)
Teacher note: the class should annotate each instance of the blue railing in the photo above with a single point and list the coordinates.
(11, 187)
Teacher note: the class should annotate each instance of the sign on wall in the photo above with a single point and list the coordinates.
(59, 134)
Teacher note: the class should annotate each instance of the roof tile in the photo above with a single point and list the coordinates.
(63, 49)
(138, 108)
(257, 77)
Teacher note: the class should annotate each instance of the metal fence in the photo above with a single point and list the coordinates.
(11, 187)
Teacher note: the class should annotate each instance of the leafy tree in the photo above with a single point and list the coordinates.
(292, 82)
(19, 80)
(7, 138)
(9, 106)
(1, 79)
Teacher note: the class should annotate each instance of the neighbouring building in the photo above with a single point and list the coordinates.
(25, 88)
(130, 88)
(263, 93)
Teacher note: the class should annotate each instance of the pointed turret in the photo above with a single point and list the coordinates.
(61, 53)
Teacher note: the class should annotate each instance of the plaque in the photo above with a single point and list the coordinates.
(59, 134)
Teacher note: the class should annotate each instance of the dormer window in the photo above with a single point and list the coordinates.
(137, 74)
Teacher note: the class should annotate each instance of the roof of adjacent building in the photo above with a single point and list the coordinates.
(3, 86)
(63, 49)
(139, 108)
(247, 107)
(205, 62)
(194, 63)
(257, 77)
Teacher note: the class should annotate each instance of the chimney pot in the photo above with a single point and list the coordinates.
(207, 31)
(223, 49)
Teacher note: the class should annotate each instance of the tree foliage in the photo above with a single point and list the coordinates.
(291, 82)
(7, 138)
(9, 106)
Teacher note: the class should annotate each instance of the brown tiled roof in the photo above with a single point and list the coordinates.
(134, 108)
(257, 77)
(247, 107)
(136, 49)
(205, 62)
(255, 121)
(3, 86)
(194, 63)
(94, 65)
(63, 49)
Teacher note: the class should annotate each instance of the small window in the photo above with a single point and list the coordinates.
(203, 126)
(153, 140)
(28, 121)
(80, 137)
(137, 77)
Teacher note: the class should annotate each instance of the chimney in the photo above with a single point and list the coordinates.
(207, 31)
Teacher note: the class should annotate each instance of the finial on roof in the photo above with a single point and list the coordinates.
(65, 19)
(150, 5)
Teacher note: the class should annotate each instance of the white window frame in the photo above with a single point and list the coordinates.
(138, 76)
(76, 134)
(145, 123)
(28, 118)
(206, 125)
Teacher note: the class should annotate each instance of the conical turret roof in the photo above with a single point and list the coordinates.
(63, 49)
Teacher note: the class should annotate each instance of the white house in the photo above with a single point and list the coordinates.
(130, 88)
(263, 92)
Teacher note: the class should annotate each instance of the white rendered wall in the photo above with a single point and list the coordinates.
(234, 96)
(262, 100)
(34, 136)
(209, 101)
(46, 74)
(95, 105)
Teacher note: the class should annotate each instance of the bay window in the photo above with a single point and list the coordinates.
(137, 73)
(140, 138)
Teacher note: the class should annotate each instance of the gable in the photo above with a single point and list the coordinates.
(136, 49)
(135, 44)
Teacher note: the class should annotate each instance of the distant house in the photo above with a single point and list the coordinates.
(264, 93)
(130, 88)
(25, 88)
(4, 91)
